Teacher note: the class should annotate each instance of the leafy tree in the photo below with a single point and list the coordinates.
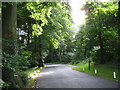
(99, 36)
(52, 28)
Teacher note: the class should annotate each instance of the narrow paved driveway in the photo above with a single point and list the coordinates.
(62, 76)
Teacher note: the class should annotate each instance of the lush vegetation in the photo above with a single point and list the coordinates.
(98, 38)
(35, 33)
(104, 71)
(33, 75)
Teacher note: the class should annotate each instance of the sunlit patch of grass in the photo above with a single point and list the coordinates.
(30, 72)
(32, 76)
(31, 83)
(103, 72)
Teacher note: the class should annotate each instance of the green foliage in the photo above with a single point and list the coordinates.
(39, 12)
(8, 46)
(15, 62)
(13, 79)
(37, 30)
(12, 66)
(25, 54)
(49, 27)
(24, 78)
(98, 38)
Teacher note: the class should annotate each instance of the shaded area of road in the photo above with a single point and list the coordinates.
(62, 76)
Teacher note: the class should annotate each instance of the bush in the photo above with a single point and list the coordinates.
(11, 71)
(24, 78)
(13, 62)
(14, 79)
(34, 63)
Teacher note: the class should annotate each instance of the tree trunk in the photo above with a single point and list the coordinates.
(118, 34)
(9, 22)
(40, 61)
(60, 54)
(28, 34)
(9, 25)
(119, 18)
(51, 53)
(102, 61)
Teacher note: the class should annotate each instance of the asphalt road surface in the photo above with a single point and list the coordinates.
(62, 76)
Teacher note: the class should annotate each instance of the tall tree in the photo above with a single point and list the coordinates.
(9, 25)
(99, 33)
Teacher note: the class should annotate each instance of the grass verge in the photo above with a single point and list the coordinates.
(102, 71)
(32, 77)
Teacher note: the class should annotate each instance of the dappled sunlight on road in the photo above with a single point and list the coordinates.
(46, 73)
(53, 65)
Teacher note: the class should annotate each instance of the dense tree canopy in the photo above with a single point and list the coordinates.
(98, 38)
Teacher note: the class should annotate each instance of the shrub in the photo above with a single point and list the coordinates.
(14, 79)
